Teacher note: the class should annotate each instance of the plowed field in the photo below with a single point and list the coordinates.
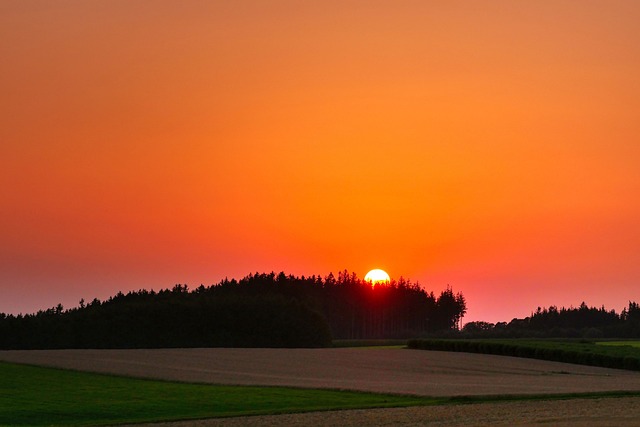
(403, 371)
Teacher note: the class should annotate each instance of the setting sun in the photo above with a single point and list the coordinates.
(377, 276)
(449, 146)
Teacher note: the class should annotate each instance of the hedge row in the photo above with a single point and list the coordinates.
(586, 354)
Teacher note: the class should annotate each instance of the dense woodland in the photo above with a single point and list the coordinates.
(573, 322)
(260, 310)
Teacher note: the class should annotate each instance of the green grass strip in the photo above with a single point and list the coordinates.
(635, 344)
(33, 396)
(568, 351)
(370, 343)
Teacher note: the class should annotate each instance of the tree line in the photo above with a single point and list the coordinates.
(573, 322)
(259, 310)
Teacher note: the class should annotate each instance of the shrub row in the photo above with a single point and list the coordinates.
(588, 354)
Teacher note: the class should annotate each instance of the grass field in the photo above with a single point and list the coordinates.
(372, 343)
(34, 396)
(620, 343)
(609, 354)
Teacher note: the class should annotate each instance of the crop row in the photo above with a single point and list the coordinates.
(623, 357)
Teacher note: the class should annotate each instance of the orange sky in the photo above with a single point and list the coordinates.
(492, 146)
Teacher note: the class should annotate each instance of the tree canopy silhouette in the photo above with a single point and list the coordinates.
(573, 322)
(260, 310)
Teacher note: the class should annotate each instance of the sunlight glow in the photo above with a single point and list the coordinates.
(377, 276)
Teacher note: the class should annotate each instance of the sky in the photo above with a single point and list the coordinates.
(490, 146)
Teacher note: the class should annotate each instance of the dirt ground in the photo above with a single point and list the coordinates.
(622, 412)
(427, 373)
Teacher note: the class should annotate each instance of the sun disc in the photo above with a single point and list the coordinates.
(377, 276)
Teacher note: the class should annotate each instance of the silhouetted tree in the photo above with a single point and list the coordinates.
(261, 309)
(573, 322)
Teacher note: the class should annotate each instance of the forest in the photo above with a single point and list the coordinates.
(259, 310)
(573, 322)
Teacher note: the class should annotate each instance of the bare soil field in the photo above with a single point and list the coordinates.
(401, 371)
(612, 412)
(428, 373)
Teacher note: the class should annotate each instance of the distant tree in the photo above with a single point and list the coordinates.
(478, 327)
(451, 308)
